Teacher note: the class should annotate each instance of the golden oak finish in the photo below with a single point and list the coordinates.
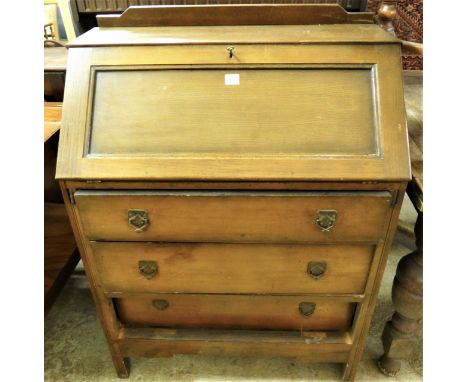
(226, 179)
(239, 14)
(93, 184)
(60, 253)
(239, 122)
(316, 346)
(233, 216)
(52, 118)
(234, 312)
(390, 164)
(233, 268)
(250, 34)
(106, 6)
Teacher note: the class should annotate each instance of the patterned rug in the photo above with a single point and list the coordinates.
(408, 26)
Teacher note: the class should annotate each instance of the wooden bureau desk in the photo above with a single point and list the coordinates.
(234, 189)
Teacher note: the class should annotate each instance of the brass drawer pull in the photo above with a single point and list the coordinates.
(326, 219)
(148, 269)
(138, 220)
(306, 308)
(316, 269)
(161, 304)
(230, 51)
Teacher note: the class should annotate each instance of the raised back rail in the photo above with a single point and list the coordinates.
(244, 14)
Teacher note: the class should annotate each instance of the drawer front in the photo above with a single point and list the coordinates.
(235, 312)
(233, 216)
(232, 268)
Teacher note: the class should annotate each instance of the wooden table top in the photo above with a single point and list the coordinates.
(55, 59)
(52, 118)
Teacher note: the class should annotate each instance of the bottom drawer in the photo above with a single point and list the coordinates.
(235, 312)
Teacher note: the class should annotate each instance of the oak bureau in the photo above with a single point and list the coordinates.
(234, 189)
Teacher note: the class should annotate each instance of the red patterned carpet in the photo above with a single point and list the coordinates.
(408, 26)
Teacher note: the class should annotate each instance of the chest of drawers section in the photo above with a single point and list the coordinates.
(289, 262)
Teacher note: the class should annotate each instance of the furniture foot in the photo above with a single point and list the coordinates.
(389, 366)
(407, 297)
(122, 366)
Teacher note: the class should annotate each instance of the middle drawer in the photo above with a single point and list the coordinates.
(232, 268)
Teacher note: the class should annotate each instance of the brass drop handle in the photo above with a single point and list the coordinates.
(306, 308)
(161, 304)
(148, 269)
(326, 219)
(316, 269)
(138, 220)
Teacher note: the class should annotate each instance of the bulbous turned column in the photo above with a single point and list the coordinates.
(407, 296)
(386, 15)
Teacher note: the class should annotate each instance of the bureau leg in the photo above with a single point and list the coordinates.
(105, 307)
(407, 297)
(121, 364)
(111, 329)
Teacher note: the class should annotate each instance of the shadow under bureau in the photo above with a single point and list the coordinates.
(234, 189)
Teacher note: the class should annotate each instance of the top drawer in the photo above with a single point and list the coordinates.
(204, 216)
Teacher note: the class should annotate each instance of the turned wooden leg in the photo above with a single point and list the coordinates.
(407, 297)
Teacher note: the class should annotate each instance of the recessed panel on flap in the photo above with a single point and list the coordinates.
(234, 112)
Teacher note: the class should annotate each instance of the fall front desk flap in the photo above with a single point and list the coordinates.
(248, 102)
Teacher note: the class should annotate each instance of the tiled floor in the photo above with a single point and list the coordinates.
(76, 351)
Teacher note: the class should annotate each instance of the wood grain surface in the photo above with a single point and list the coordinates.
(103, 6)
(233, 226)
(60, 254)
(261, 217)
(256, 34)
(314, 346)
(52, 118)
(232, 268)
(235, 312)
(269, 111)
(391, 163)
(239, 14)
